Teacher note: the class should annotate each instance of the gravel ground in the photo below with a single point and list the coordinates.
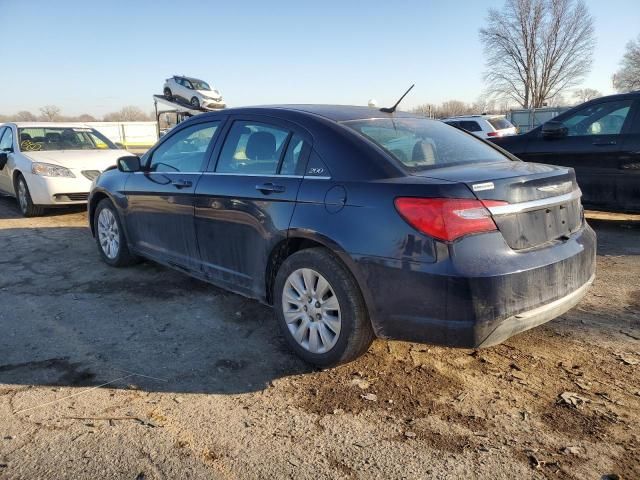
(145, 373)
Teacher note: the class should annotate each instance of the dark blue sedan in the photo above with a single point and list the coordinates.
(353, 224)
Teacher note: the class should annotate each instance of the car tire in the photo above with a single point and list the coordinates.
(319, 343)
(109, 235)
(168, 94)
(25, 203)
(195, 103)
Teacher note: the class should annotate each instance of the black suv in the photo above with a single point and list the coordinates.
(600, 140)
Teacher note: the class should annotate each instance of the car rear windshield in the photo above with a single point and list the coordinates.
(419, 143)
(34, 139)
(499, 123)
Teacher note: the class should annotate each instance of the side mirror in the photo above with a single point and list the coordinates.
(554, 129)
(4, 157)
(129, 164)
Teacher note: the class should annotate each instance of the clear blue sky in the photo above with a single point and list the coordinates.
(95, 57)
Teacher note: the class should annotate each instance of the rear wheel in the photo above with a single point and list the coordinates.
(25, 202)
(195, 103)
(110, 238)
(320, 309)
(168, 94)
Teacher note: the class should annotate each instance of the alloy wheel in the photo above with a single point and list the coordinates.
(311, 310)
(108, 233)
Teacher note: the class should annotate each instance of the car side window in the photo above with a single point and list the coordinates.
(291, 162)
(184, 151)
(252, 148)
(470, 126)
(6, 142)
(605, 118)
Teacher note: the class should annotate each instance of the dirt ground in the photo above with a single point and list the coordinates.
(145, 373)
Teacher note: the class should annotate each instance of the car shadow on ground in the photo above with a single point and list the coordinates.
(70, 320)
(9, 209)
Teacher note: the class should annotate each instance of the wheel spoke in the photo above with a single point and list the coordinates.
(330, 304)
(325, 334)
(314, 339)
(322, 288)
(301, 332)
(297, 283)
(294, 315)
(333, 323)
(309, 279)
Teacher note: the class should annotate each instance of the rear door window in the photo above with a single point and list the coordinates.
(253, 148)
(291, 163)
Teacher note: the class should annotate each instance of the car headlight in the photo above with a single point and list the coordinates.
(49, 170)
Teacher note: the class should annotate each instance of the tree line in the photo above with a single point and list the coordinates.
(53, 113)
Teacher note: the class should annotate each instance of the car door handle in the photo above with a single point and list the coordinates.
(181, 183)
(269, 187)
(603, 143)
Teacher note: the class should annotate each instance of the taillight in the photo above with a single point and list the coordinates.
(447, 218)
(493, 134)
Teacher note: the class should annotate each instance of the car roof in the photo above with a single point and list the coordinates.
(49, 124)
(336, 113)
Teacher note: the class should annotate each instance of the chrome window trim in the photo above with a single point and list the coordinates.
(535, 204)
(273, 175)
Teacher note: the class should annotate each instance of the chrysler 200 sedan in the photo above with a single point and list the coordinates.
(353, 224)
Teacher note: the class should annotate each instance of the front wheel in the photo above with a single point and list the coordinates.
(195, 103)
(110, 237)
(168, 94)
(320, 309)
(25, 202)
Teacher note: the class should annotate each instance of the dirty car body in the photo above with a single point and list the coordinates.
(449, 239)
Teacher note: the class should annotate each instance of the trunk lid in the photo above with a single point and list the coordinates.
(543, 200)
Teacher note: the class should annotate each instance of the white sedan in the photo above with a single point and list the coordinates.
(52, 164)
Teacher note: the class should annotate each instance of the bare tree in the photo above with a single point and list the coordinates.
(537, 48)
(585, 94)
(628, 77)
(426, 109)
(85, 117)
(452, 108)
(129, 113)
(24, 116)
(50, 113)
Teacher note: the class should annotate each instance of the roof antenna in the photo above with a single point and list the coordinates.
(393, 109)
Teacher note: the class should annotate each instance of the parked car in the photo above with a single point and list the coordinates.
(484, 126)
(196, 93)
(353, 223)
(600, 139)
(52, 164)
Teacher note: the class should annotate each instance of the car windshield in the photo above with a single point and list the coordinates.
(34, 139)
(200, 85)
(419, 143)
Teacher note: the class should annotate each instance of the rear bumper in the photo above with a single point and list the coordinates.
(526, 320)
(479, 295)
